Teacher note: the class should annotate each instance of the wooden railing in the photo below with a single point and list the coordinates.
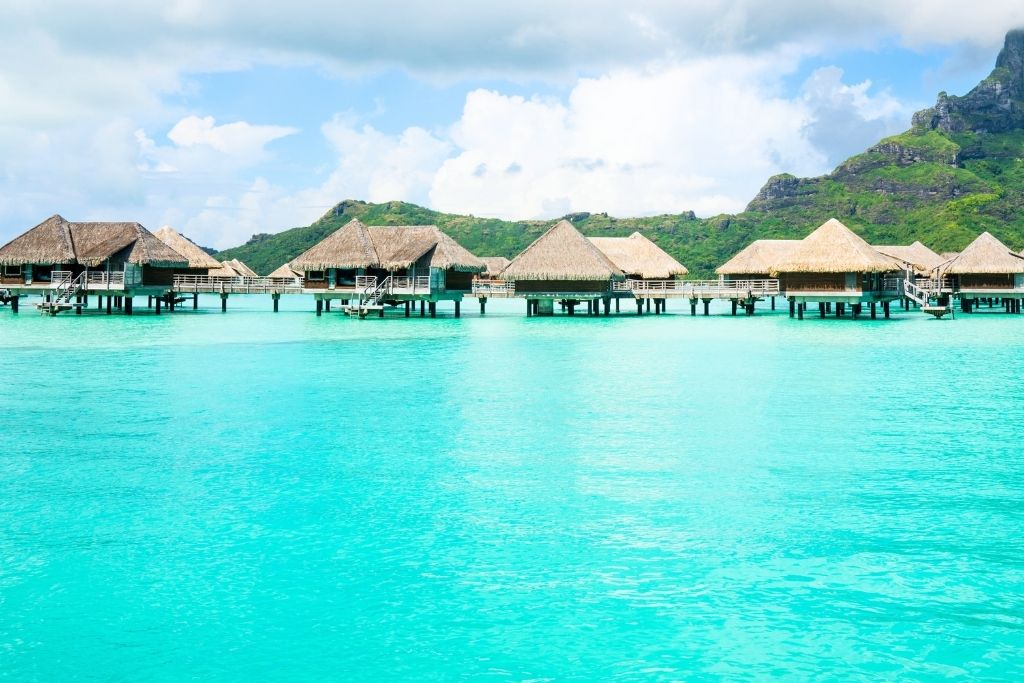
(236, 285)
(494, 288)
(99, 279)
(699, 289)
(411, 284)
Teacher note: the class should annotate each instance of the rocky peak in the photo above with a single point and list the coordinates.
(996, 105)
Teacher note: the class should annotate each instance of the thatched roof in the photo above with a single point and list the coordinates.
(402, 246)
(949, 255)
(986, 255)
(197, 258)
(758, 258)
(834, 248)
(495, 264)
(232, 268)
(637, 255)
(389, 247)
(59, 241)
(562, 253)
(917, 256)
(285, 271)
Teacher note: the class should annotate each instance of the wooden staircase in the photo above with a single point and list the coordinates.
(370, 299)
(67, 288)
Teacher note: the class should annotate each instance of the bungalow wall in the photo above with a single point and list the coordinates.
(458, 281)
(991, 281)
(159, 277)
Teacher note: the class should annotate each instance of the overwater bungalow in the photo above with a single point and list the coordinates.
(494, 264)
(233, 268)
(563, 265)
(835, 266)
(650, 271)
(756, 261)
(987, 269)
(367, 268)
(285, 272)
(199, 261)
(914, 257)
(67, 261)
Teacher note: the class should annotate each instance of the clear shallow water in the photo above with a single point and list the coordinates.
(251, 496)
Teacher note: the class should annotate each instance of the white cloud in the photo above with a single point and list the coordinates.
(235, 139)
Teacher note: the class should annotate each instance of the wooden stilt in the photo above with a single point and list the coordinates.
(874, 311)
(639, 306)
(319, 307)
(773, 303)
(224, 302)
(78, 308)
(380, 312)
(423, 307)
(149, 301)
(408, 306)
(433, 309)
(821, 310)
(734, 306)
(616, 304)
(529, 308)
(607, 306)
(277, 300)
(14, 303)
(110, 302)
(99, 302)
(483, 305)
(648, 305)
(327, 305)
(157, 311)
(885, 309)
(195, 302)
(792, 308)
(693, 307)
(800, 311)
(458, 312)
(128, 305)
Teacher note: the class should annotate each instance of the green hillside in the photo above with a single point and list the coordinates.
(957, 172)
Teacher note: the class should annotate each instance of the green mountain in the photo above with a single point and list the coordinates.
(958, 171)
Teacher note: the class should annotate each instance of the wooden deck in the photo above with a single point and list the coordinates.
(206, 284)
(700, 289)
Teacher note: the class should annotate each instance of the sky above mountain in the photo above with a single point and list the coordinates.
(229, 118)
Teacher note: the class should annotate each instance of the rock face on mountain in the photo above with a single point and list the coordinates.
(996, 105)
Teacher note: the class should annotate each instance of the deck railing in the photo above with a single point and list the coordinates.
(236, 285)
(698, 289)
(364, 281)
(494, 288)
(100, 279)
(411, 284)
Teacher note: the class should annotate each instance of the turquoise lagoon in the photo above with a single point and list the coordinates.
(266, 497)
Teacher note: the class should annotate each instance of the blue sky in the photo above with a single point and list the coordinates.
(230, 118)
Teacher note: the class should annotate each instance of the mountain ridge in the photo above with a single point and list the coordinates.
(958, 171)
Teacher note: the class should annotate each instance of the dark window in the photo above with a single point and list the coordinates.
(315, 275)
(12, 271)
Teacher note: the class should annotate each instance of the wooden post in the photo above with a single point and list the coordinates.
(327, 305)
(277, 299)
(224, 302)
(707, 306)
(483, 305)
(648, 305)
(408, 306)
(458, 313)
(195, 302)
(616, 304)
(571, 307)
(800, 311)
(607, 306)
(433, 309)
(657, 307)
(773, 303)
(14, 303)
(529, 308)
(128, 305)
(157, 311)
(380, 313)
(639, 306)
(78, 308)
(149, 301)
(821, 310)
(319, 307)
(110, 302)
(792, 308)
(734, 306)
(423, 307)
(874, 311)
(885, 309)
(693, 307)
(99, 302)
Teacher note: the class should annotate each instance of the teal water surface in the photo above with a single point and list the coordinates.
(251, 496)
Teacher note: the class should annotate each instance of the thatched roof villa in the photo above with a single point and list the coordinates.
(65, 260)
(285, 271)
(232, 268)
(494, 266)
(916, 257)
(757, 260)
(562, 264)
(639, 258)
(412, 263)
(987, 268)
(199, 262)
(834, 265)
